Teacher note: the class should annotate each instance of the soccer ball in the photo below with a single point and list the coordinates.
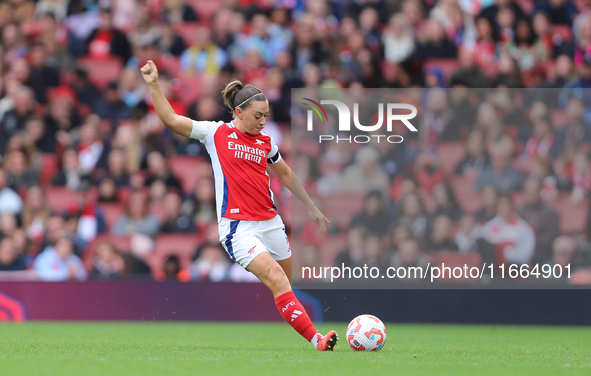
(366, 333)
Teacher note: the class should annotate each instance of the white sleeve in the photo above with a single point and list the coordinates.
(202, 128)
(274, 156)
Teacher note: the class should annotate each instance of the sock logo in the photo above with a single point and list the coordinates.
(287, 306)
(295, 314)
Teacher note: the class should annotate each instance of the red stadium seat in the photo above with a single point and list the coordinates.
(49, 167)
(185, 168)
(573, 217)
(59, 198)
(205, 9)
(454, 259)
(191, 87)
(187, 31)
(112, 212)
(450, 154)
(342, 207)
(181, 245)
(171, 64)
(102, 71)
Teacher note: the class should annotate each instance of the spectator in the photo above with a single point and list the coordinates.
(174, 222)
(511, 234)
(365, 174)
(177, 11)
(42, 75)
(212, 265)
(409, 255)
(158, 170)
(10, 201)
(170, 42)
(106, 41)
(109, 263)
(542, 218)
(440, 238)
(373, 216)
(10, 259)
(107, 191)
(500, 173)
(8, 224)
(86, 92)
(112, 107)
(203, 56)
(412, 215)
(476, 157)
(563, 250)
(14, 120)
(374, 255)
(21, 172)
(434, 43)
(35, 212)
(172, 270)
(469, 75)
(581, 177)
(399, 43)
(352, 255)
(59, 263)
(446, 203)
(71, 175)
(137, 218)
(200, 206)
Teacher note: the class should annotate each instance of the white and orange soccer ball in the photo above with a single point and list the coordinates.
(366, 333)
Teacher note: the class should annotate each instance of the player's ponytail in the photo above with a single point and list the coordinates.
(236, 95)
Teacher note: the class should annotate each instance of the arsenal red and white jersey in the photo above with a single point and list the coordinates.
(239, 162)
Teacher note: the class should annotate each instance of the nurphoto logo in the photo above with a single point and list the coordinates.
(344, 121)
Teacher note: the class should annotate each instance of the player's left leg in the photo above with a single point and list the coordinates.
(286, 266)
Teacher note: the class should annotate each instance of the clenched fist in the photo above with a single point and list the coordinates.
(150, 72)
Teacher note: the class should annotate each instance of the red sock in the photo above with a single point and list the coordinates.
(294, 313)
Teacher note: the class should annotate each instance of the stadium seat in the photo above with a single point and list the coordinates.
(450, 154)
(308, 147)
(454, 259)
(185, 169)
(469, 200)
(331, 248)
(187, 31)
(112, 212)
(102, 71)
(49, 167)
(59, 198)
(181, 245)
(205, 9)
(448, 66)
(191, 87)
(573, 217)
(342, 207)
(171, 64)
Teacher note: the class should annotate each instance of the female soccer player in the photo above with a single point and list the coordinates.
(250, 228)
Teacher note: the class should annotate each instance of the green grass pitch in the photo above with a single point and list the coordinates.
(242, 349)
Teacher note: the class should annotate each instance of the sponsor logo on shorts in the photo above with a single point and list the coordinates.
(251, 250)
(234, 211)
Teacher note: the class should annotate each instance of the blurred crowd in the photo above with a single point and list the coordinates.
(72, 98)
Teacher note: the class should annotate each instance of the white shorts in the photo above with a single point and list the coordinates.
(244, 240)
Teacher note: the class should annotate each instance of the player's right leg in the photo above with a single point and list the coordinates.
(293, 312)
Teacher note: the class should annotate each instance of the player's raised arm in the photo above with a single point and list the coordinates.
(178, 124)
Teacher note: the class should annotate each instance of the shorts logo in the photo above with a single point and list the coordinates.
(251, 250)
(234, 211)
(287, 306)
(259, 142)
(295, 314)
(233, 135)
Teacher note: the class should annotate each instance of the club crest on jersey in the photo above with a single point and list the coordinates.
(259, 142)
(233, 135)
